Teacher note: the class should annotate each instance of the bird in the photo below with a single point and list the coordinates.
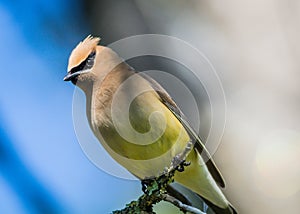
(139, 124)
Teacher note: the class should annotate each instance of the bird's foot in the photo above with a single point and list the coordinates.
(152, 185)
(145, 184)
(178, 163)
(182, 165)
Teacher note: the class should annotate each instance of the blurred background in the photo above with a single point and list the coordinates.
(254, 46)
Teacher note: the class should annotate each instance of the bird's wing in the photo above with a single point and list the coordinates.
(199, 146)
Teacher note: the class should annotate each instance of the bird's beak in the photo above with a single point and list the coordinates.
(69, 76)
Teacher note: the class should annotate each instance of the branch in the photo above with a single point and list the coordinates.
(155, 190)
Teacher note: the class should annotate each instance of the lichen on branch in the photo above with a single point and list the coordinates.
(155, 190)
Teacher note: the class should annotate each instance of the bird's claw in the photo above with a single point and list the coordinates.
(181, 166)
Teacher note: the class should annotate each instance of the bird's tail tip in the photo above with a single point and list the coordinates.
(232, 209)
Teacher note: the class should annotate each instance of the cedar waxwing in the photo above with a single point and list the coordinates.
(139, 124)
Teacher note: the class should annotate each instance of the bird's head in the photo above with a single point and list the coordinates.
(90, 63)
(82, 61)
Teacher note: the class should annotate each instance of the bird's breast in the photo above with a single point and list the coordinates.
(143, 137)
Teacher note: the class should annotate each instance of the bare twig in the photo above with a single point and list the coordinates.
(183, 207)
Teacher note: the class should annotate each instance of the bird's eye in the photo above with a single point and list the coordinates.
(89, 62)
(86, 64)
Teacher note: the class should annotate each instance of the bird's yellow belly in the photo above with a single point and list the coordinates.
(148, 150)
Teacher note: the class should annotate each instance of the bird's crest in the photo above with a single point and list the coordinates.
(82, 50)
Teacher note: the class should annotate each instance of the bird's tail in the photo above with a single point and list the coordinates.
(197, 178)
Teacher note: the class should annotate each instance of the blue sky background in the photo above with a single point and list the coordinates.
(42, 167)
